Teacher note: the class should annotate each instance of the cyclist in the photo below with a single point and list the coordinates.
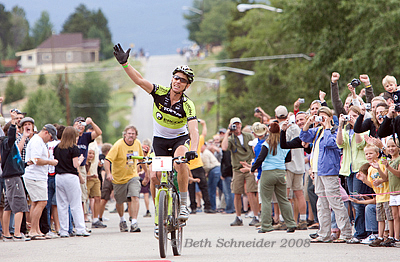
(174, 121)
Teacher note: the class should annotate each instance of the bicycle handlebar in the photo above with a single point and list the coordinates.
(148, 159)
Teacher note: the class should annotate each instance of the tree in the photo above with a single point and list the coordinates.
(14, 91)
(213, 30)
(42, 29)
(92, 24)
(210, 26)
(90, 98)
(42, 79)
(43, 106)
(19, 28)
(5, 25)
(106, 47)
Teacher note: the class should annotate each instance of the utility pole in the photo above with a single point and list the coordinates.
(67, 98)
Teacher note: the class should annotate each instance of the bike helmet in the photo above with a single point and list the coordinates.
(185, 70)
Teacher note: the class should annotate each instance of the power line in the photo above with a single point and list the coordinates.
(247, 59)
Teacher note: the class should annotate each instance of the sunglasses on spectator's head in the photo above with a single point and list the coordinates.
(183, 80)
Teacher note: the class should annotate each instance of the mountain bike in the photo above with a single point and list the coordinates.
(167, 203)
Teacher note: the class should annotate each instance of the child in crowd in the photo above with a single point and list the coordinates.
(393, 171)
(392, 91)
(93, 185)
(371, 225)
(378, 181)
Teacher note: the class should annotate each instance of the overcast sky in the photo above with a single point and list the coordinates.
(157, 26)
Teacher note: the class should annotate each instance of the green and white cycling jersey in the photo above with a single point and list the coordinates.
(170, 121)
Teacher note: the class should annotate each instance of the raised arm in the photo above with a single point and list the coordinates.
(136, 77)
(369, 91)
(336, 101)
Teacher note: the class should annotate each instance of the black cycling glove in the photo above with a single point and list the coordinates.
(190, 155)
(120, 55)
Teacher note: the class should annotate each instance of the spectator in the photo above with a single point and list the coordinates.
(272, 158)
(294, 169)
(68, 179)
(197, 170)
(124, 176)
(372, 124)
(325, 168)
(107, 187)
(85, 138)
(35, 177)
(93, 185)
(393, 169)
(145, 190)
(213, 171)
(51, 185)
(352, 145)
(392, 90)
(238, 143)
(13, 168)
(377, 179)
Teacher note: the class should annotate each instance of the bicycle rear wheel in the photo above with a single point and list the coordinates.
(177, 232)
(163, 223)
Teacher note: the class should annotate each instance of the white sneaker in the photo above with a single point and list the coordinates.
(368, 240)
(51, 235)
(183, 213)
(249, 214)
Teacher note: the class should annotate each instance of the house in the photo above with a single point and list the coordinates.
(61, 50)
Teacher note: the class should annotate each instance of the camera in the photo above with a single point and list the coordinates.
(292, 120)
(256, 110)
(233, 127)
(301, 100)
(367, 106)
(397, 108)
(346, 117)
(318, 118)
(82, 123)
(355, 82)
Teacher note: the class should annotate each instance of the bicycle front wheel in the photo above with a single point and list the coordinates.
(163, 223)
(177, 232)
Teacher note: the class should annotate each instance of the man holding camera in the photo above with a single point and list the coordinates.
(238, 143)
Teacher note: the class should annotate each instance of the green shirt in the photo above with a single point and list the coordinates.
(353, 153)
(394, 181)
(240, 152)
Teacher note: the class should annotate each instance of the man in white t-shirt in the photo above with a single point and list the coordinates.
(35, 177)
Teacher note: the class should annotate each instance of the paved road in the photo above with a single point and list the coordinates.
(158, 69)
(213, 229)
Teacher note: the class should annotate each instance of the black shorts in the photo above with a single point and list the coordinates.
(161, 145)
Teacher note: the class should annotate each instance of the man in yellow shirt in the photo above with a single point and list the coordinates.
(124, 176)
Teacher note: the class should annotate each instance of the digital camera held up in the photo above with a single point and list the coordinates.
(355, 82)
(233, 127)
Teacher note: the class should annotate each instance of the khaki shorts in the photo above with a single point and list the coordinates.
(82, 170)
(383, 211)
(238, 180)
(93, 187)
(37, 189)
(294, 181)
(123, 192)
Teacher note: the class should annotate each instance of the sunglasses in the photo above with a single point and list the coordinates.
(183, 80)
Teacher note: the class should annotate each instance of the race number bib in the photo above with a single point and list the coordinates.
(162, 163)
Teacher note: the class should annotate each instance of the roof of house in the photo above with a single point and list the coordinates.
(69, 40)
